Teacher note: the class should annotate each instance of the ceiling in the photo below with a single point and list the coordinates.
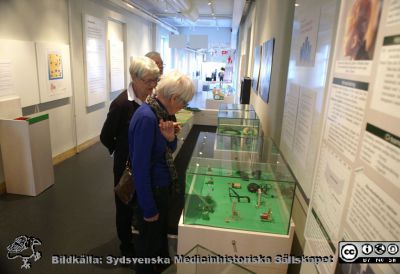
(193, 13)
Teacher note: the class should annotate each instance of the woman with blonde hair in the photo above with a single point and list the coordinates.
(114, 135)
(152, 141)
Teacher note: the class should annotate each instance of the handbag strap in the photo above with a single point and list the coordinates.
(128, 162)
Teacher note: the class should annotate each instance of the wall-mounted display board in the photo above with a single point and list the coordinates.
(358, 166)
(266, 68)
(6, 78)
(308, 35)
(256, 68)
(95, 59)
(54, 70)
(306, 87)
(18, 75)
(117, 70)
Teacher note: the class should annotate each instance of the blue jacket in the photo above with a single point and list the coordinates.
(147, 148)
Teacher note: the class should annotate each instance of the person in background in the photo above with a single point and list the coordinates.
(152, 140)
(214, 75)
(114, 135)
(156, 57)
(221, 75)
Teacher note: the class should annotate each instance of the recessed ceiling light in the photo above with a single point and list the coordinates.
(209, 3)
(296, 4)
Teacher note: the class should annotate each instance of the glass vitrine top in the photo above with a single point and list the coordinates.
(243, 107)
(237, 114)
(230, 147)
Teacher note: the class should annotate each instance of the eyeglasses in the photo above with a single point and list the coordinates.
(184, 103)
(148, 82)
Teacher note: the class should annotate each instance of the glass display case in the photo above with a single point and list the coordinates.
(249, 148)
(242, 107)
(199, 251)
(238, 123)
(239, 195)
(237, 147)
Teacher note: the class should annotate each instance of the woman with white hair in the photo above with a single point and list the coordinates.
(152, 141)
(114, 135)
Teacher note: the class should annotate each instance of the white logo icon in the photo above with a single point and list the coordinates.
(349, 252)
(367, 249)
(24, 247)
(393, 249)
(380, 249)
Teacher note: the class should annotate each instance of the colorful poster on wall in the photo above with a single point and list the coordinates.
(55, 65)
(54, 71)
(308, 38)
(266, 69)
(256, 68)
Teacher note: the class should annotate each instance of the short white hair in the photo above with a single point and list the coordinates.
(176, 83)
(141, 66)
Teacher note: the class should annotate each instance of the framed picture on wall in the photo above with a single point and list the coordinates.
(266, 69)
(54, 70)
(256, 68)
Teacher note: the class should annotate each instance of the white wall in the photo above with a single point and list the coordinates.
(220, 37)
(71, 122)
(89, 120)
(19, 20)
(274, 20)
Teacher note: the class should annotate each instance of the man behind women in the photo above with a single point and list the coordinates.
(114, 135)
(155, 56)
(151, 142)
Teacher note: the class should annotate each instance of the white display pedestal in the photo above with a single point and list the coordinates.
(225, 241)
(26, 153)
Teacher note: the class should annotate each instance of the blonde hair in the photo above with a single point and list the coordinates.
(142, 66)
(175, 83)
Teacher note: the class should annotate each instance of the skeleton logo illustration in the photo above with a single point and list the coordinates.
(24, 247)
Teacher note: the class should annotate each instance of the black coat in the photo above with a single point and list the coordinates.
(114, 134)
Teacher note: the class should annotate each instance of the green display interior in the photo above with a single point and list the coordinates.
(208, 201)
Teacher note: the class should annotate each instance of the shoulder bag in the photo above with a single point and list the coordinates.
(125, 189)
